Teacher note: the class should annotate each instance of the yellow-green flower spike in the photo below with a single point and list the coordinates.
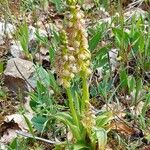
(73, 56)
(65, 62)
(77, 35)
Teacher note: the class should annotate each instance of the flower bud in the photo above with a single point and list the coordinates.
(88, 71)
(79, 15)
(77, 44)
(87, 63)
(71, 49)
(66, 73)
(66, 84)
(70, 24)
(82, 21)
(71, 75)
(82, 56)
(74, 69)
(65, 57)
(71, 58)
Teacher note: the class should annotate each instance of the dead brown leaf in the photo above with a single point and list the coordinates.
(9, 126)
(122, 128)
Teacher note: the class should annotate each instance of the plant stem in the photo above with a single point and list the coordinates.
(71, 106)
(85, 91)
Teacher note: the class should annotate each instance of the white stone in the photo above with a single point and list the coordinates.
(16, 49)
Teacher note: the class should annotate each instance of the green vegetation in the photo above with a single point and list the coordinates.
(91, 84)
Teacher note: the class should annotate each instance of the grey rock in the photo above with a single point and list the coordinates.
(6, 28)
(16, 49)
(17, 75)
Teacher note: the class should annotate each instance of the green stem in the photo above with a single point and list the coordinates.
(71, 106)
(85, 91)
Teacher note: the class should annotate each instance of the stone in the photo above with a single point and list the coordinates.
(16, 49)
(113, 54)
(17, 75)
(6, 29)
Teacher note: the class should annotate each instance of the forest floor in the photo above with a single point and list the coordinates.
(119, 41)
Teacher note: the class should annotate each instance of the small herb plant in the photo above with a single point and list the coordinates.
(74, 59)
(23, 37)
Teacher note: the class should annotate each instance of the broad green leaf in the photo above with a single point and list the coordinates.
(123, 78)
(148, 137)
(103, 51)
(139, 84)
(101, 135)
(147, 66)
(122, 37)
(38, 122)
(104, 119)
(69, 122)
(66, 116)
(79, 147)
(94, 41)
(131, 83)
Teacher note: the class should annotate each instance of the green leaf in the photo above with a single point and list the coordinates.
(58, 4)
(23, 36)
(103, 51)
(103, 119)
(139, 85)
(53, 82)
(131, 83)
(1, 67)
(67, 120)
(79, 147)
(47, 78)
(123, 78)
(38, 122)
(94, 41)
(122, 37)
(66, 116)
(13, 145)
(101, 135)
(147, 66)
(52, 54)
(118, 35)
(43, 75)
(29, 125)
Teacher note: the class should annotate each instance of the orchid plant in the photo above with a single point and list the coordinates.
(72, 59)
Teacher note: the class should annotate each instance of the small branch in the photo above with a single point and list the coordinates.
(35, 137)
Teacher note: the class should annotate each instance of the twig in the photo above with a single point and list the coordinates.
(35, 137)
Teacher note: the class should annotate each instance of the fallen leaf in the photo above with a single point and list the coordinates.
(9, 126)
(18, 119)
(8, 136)
(122, 128)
